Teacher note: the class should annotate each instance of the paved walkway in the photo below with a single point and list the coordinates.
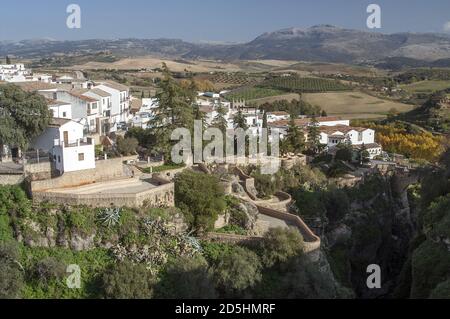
(124, 186)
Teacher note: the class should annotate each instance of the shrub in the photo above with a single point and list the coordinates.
(49, 268)
(201, 199)
(127, 146)
(187, 278)
(281, 244)
(11, 279)
(237, 271)
(127, 281)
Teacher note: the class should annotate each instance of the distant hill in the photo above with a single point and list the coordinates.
(322, 43)
(433, 115)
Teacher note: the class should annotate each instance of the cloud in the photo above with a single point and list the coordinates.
(447, 26)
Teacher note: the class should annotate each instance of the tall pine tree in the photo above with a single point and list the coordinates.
(175, 111)
(314, 136)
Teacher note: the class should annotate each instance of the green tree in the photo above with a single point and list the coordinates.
(240, 121)
(237, 272)
(279, 245)
(344, 152)
(201, 199)
(442, 291)
(8, 60)
(125, 280)
(127, 146)
(11, 278)
(187, 278)
(175, 111)
(314, 136)
(301, 279)
(295, 139)
(23, 116)
(364, 155)
(219, 120)
(144, 137)
(264, 123)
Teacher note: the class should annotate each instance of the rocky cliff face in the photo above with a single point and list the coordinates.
(377, 229)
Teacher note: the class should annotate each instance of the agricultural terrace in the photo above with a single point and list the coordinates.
(306, 85)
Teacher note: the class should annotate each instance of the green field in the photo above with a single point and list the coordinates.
(354, 104)
(306, 85)
(428, 86)
(252, 93)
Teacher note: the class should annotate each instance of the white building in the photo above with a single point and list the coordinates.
(331, 136)
(14, 73)
(64, 140)
(120, 100)
(60, 109)
(277, 116)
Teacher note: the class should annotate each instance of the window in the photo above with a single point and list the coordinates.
(59, 159)
(360, 136)
(81, 157)
(64, 114)
(94, 106)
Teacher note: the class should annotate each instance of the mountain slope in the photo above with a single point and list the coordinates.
(323, 43)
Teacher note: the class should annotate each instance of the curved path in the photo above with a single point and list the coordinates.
(275, 210)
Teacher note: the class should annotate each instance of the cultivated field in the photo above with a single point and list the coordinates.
(252, 93)
(271, 99)
(426, 86)
(354, 104)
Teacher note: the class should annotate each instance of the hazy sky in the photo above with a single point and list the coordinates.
(210, 20)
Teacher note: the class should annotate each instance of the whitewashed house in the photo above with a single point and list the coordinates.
(277, 116)
(120, 101)
(104, 98)
(70, 150)
(14, 73)
(60, 109)
(358, 137)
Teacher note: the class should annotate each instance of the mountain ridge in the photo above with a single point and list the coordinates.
(319, 43)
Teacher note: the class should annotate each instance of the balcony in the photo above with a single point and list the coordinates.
(77, 143)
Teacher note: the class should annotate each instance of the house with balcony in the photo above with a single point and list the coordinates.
(67, 146)
(120, 101)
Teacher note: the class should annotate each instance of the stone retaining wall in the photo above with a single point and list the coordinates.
(104, 170)
(311, 241)
(11, 179)
(161, 196)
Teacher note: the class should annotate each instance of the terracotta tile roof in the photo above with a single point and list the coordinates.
(83, 97)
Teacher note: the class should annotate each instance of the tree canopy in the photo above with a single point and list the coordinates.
(200, 197)
(23, 115)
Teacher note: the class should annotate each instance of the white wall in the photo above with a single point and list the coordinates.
(71, 158)
(335, 123)
(62, 111)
